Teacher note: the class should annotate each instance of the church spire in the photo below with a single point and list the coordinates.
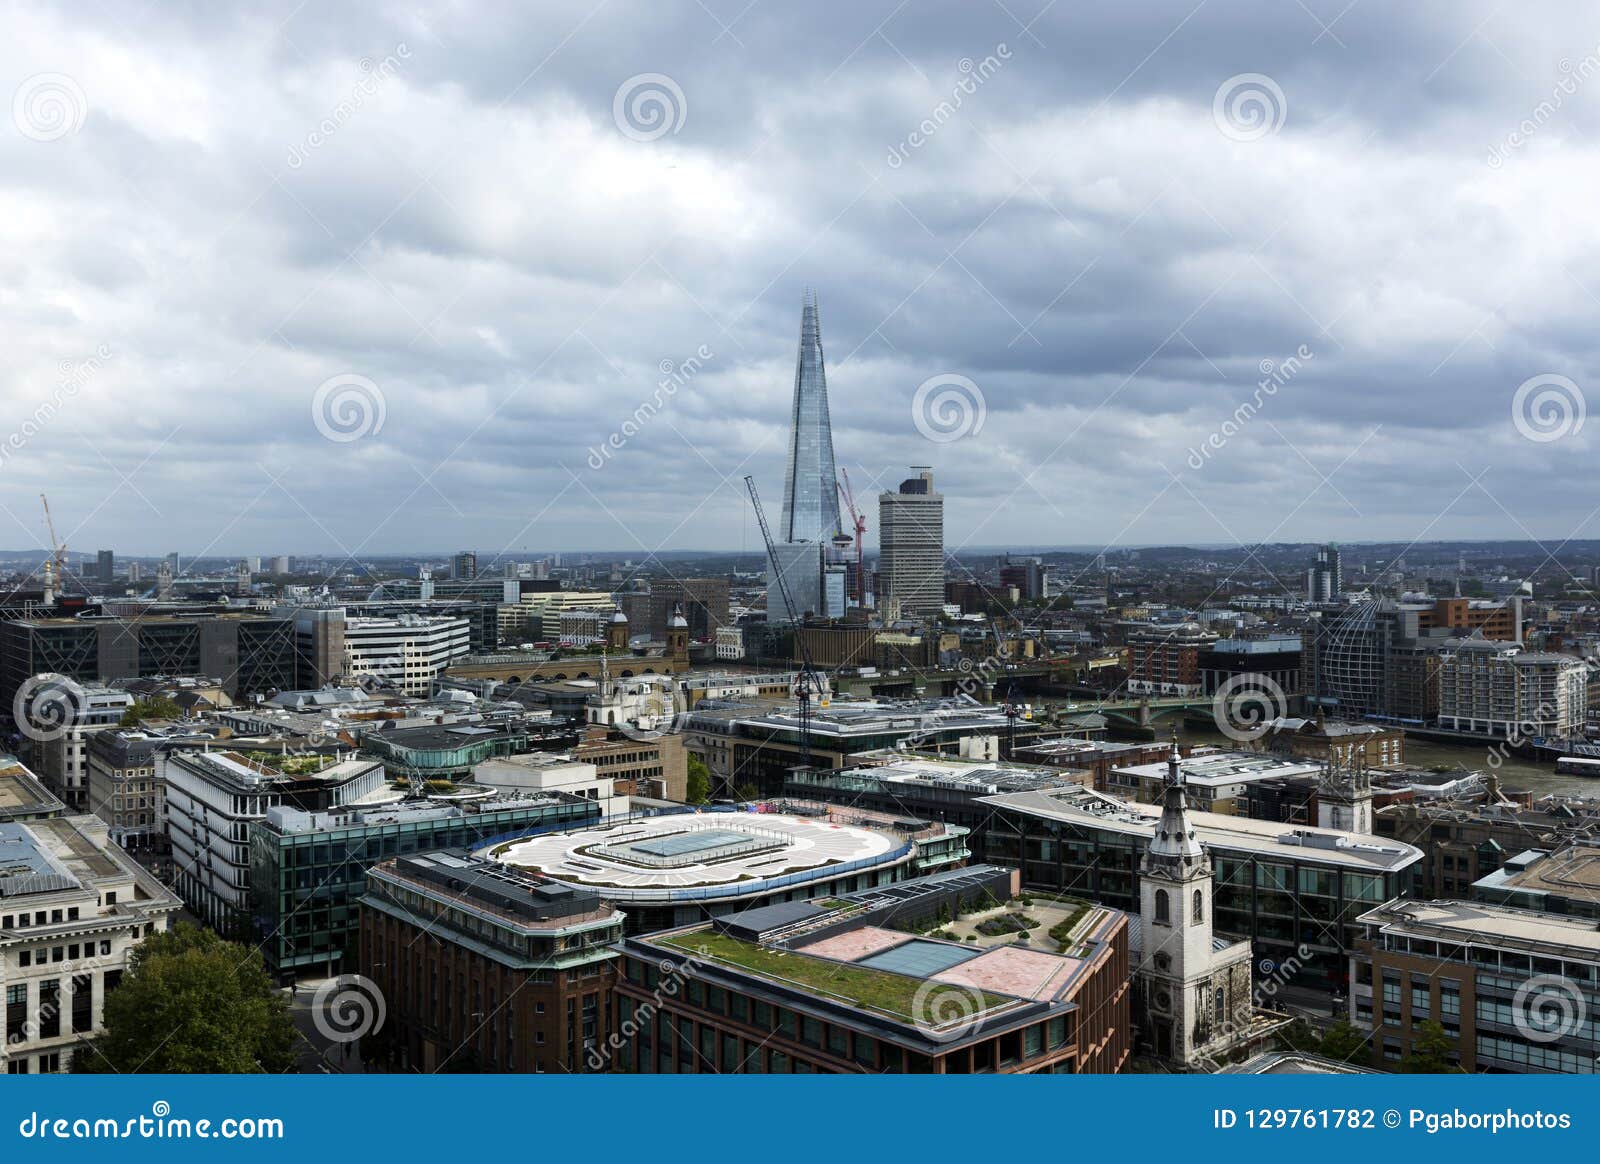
(1175, 850)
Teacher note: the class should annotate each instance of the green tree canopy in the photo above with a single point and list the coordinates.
(699, 782)
(1430, 1052)
(156, 707)
(1344, 1042)
(192, 1003)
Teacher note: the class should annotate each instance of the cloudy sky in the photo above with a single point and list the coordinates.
(406, 277)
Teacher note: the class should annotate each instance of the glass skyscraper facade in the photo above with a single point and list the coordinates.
(810, 490)
(810, 487)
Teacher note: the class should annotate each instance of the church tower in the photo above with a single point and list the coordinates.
(678, 637)
(617, 634)
(1344, 793)
(1193, 995)
(1175, 884)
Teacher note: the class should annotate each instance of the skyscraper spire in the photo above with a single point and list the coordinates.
(810, 487)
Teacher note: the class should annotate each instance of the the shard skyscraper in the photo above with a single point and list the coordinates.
(810, 489)
(810, 520)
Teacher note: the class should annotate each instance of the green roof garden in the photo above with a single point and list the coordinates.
(883, 991)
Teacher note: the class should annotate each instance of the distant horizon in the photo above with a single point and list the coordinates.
(1533, 544)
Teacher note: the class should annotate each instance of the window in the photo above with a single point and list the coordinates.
(1163, 913)
(1199, 906)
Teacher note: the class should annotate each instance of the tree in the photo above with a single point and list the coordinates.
(1344, 1042)
(192, 1003)
(156, 707)
(699, 782)
(1430, 1052)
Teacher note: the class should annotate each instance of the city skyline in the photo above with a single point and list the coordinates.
(235, 242)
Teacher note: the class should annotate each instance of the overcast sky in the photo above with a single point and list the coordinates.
(400, 277)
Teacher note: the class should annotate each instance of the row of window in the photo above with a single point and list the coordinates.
(43, 917)
(68, 953)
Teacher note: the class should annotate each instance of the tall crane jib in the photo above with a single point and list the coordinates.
(809, 682)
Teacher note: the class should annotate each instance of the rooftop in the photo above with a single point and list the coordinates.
(1094, 810)
(26, 866)
(510, 894)
(659, 857)
(900, 996)
(1488, 925)
(1211, 769)
(1574, 871)
(21, 793)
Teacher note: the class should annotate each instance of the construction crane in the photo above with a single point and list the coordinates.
(809, 681)
(58, 548)
(860, 524)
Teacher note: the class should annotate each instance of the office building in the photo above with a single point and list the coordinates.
(1214, 781)
(308, 869)
(680, 868)
(408, 652)
(214, 797)
(105, 567)
(1026, 575)
(842, 986)
(124, 788)
(1165, 660)
(1325, 578)
(1515, 990)
(1498, 689)
(73, 907)
(249, 653)
(23, 797)
(759, 746)
(702, 602)
(464, 566)
(1565, 881)
(62, 758)
(911, 548)
(1267, 662)
(488, 969)
(1294, 891)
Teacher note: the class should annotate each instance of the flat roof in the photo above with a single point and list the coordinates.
(26, 866)
(660, 857)
(1573, 871)
(1491, 925)
(1094, 810)
(1218, 768)
(22, 793)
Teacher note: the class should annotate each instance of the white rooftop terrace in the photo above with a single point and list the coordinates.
(743, 850)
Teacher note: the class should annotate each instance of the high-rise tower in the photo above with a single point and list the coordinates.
(810, 485)
(810, 522)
